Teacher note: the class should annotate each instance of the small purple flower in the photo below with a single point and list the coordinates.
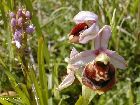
(30, 29)
(19, 12)
(20, 20)
(28, 15)
(17, 35)
(13, 22)
(12, 14)
(18, 38)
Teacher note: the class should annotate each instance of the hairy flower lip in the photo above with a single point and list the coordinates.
(98, 76)
(110, 83)
(96, 84)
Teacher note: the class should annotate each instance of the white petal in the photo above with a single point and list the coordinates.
(73, 52)
(117, 60)
(17, 44)
(89, 34)
(69, 79)
(101, 41)
(83, 58)
(83, 16)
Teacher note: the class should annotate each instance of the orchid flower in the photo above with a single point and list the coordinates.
(97, 66)
(86, 27)
(100, 64)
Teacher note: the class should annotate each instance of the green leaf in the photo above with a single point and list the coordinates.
(42, 74)
(16, 87)
(3, 14)
(24, 89)
(80, 101)
(12, 99)
(36, 85)
(87, 94)
(4, 102)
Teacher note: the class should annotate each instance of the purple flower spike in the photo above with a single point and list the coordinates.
(13, 22)
(30, 29)
(19, 12)
(12, 14)
(20, 21)
(28, 15)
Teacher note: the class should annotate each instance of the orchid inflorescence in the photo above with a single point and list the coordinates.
(20, 22)
(98, 66)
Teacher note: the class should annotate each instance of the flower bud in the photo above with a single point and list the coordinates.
(13, 22)
(28, 15)
(12, 15)
(19, 13)
(17, 35)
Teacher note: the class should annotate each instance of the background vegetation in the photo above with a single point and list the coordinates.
(49, 46)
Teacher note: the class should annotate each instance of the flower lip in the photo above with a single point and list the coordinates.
(99, 76)
(97, 84)
(78, 28)
(75, 32)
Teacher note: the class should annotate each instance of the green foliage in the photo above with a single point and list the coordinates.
(49, 47)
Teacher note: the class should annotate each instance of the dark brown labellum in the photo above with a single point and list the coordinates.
(98, 76)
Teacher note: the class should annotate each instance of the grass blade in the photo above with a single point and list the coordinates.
(42, 74)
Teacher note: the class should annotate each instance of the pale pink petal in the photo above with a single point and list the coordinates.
(72, 68)
(69, 79)
(73, 52)
(115, 59)
(101, 41)
(88, 34)
(86, 39)
(83, 58)
(83, 16)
